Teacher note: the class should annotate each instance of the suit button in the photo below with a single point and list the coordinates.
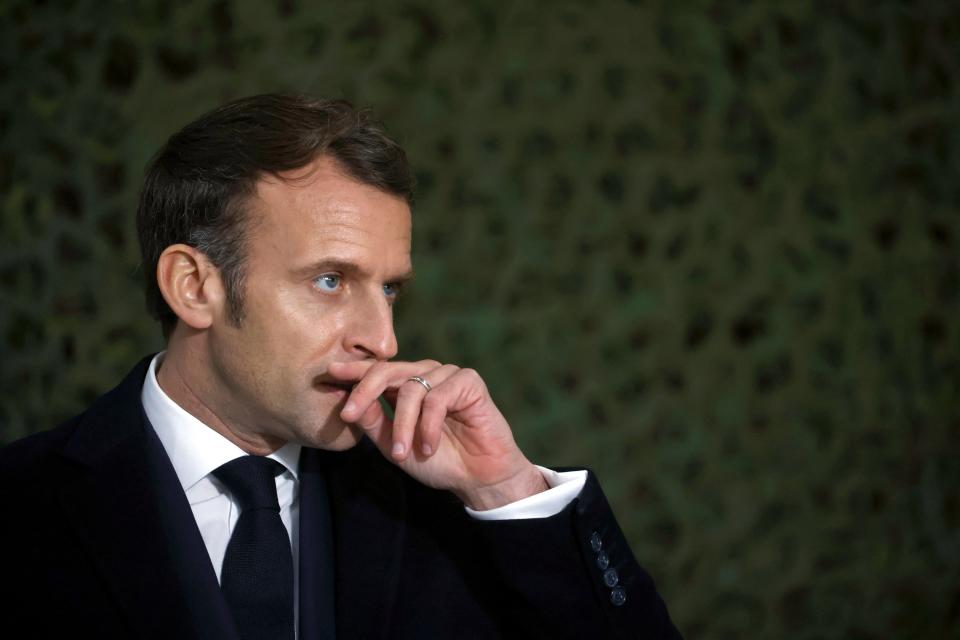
(610, 577)
(603, 561)
(618, 596)
(595, 543)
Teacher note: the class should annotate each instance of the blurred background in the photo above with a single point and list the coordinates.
(709, 249)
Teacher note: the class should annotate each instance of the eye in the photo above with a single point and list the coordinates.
(392, 290)
(328, 282)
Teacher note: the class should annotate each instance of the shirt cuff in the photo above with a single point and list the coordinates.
(564, 487)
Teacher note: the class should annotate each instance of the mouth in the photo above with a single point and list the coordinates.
(332, 385)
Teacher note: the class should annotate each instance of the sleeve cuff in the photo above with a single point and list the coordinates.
(564, 487)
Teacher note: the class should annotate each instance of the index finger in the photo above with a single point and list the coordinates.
(378, 378)
(350, 371)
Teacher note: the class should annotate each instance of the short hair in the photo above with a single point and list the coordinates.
(197, 186)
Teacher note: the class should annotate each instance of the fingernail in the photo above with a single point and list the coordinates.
(427, 450)
(397, 449)
(349, 407)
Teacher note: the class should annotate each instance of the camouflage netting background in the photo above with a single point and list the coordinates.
(712, 252)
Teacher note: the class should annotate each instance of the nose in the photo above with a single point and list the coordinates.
(371, 334)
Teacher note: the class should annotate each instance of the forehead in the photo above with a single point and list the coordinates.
(318, 211)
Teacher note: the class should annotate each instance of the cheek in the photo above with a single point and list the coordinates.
(305, 327)
(292, 323)
(315, 334)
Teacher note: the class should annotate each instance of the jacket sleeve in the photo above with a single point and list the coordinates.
(573, 574)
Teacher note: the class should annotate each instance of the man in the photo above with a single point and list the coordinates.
(247, 482)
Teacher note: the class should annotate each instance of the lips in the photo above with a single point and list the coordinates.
(332, 385)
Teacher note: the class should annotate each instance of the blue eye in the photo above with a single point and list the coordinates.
(392, 290)
(328, 282)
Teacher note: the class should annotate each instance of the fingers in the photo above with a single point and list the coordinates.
(373, 419)
(461, 390)
(350, 371)
(377, 426)
(411, 397)
(377, 378)
(419, 413)
(432, 412)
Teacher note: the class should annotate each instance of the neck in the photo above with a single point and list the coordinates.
(185, 378)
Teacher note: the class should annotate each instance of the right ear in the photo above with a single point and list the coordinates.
(191, 285)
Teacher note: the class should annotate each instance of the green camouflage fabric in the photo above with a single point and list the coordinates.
(709, 249)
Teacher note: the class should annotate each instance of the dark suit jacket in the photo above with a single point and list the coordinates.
(99, 541)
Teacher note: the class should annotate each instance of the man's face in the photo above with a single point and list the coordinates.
(325, 258)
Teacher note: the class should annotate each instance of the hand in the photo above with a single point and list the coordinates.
(452, 437)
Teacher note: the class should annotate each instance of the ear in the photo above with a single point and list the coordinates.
(191, 285)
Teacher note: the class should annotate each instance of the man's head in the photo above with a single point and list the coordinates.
(198, 185)
(276, 234)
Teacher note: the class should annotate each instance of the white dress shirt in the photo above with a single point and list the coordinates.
(196, 450)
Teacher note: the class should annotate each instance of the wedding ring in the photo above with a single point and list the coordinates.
(421, 381)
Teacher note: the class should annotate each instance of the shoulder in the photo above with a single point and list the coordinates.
(100, 426)
(23, 458)
(31, 471)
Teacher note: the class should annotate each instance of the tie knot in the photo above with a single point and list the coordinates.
(251, 481)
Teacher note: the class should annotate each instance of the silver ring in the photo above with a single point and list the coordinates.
(424, 383)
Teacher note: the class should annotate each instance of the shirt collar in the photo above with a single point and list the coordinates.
(194, 449)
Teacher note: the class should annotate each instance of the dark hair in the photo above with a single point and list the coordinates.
(197, 186)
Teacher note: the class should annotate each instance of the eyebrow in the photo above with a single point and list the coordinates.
(348, 268)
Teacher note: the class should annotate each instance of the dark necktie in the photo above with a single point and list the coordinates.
(257, 577)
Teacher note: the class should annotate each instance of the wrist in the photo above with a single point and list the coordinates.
(523, 484)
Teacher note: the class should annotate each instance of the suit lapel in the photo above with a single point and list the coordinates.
(197, 578)
(122, 506)
(368, 506)
(113, 505)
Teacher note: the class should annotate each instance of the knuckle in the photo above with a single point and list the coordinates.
(373, 410)
(432, 401)
(451, 369)
(368, 382)
(473, 377)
